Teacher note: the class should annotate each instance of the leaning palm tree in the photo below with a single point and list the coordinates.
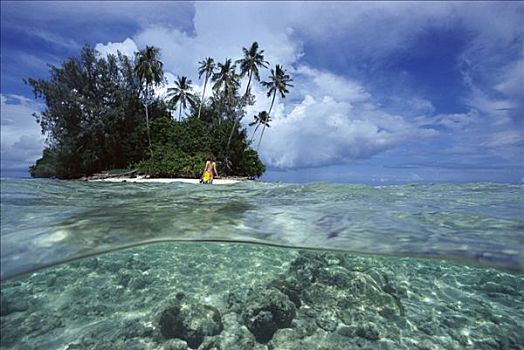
(261, 119)
(279, 82)
(180, 95)
(149, 71)
(249, 65)
(207, 66)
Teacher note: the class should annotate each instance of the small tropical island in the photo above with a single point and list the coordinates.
(103, 115)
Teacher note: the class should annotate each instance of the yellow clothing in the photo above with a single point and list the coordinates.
(207, 178)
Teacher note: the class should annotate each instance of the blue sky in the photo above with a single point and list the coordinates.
(385, 92)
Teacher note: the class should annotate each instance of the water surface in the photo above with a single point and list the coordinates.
(49, 221)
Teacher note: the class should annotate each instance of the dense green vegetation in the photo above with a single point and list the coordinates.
(102, 113)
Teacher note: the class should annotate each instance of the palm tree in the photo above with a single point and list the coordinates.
(149, 71)
(207, 66)
(226, 80)
(249, 64)
(261, 119)
(181, 94)
(279, 81)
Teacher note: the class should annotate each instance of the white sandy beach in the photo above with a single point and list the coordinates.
(216, 181)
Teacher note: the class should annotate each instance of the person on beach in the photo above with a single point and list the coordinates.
(210, 170)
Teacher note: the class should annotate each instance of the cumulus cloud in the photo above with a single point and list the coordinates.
(127, 47)
(22, 141)
(333, 126)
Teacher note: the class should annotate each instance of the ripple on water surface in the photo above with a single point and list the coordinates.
(48, 221)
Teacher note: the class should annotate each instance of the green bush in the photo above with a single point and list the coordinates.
(45, 166)
(169, 162)
(180, 149)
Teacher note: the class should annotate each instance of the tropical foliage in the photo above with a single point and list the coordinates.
(249, 65)
(95, 109)
(181, 95)
(149, 71)
(279, 82)
(207, 67)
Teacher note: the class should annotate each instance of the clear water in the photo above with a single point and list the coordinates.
(379, 291)
(45, 222)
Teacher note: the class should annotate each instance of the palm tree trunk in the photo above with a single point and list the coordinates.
(203, 93)
(254, 132)
(180, 113)
(262, 134)
(238, 119)
(231, 135)
(147, 127)
(248, 83)
(272, 101)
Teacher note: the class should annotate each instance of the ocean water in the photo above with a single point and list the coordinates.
(88, 265)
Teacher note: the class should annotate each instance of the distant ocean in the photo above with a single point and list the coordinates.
(259, 265)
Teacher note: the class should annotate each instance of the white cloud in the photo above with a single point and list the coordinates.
(21, 141)
(313, 81)
(507, 144)
(336, 121)
(511, 80)
(497, 109)
(127, 48)
(371, 29)
(455, 121)
(322, 130)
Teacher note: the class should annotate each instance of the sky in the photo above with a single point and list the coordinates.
(384, 92)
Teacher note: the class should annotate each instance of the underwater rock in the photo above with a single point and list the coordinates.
(266, 311)
(174, 344)
(305, 267)
(138, 282)
(235, 301)
(336, 276)
(235, 335)
(285, 339)
(40, 323)
(236, 338)
(134, 263)
(190, 323)
(368, 331)
(134, 328)
(123, 277)
(91, 263)
(289, 288)
(327, 321)
(8, 306)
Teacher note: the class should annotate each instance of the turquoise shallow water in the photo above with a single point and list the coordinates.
(47, 221)
(380, 291)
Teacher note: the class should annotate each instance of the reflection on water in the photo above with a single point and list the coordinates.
(240, 296)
